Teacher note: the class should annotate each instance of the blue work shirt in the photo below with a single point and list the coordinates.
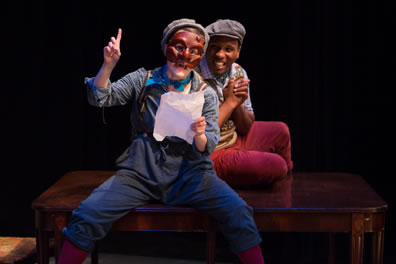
(128, 88)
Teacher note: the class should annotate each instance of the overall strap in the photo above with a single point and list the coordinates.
(203, 85)
(143, 95)
(141, 126)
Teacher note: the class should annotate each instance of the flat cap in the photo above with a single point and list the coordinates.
(227, 27)
(181, 23)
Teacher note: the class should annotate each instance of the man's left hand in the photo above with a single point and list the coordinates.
(241, 88)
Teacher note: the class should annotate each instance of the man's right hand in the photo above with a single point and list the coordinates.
(112, 51)
(234, 96)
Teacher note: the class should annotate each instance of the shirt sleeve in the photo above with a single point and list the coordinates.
(211, 112)
(247, 104)
(118, 93)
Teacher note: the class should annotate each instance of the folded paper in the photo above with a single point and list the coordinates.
(176, 113)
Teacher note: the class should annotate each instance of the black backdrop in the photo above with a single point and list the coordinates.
(319, 66)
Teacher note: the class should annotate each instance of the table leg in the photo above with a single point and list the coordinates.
(357, 239)
(377, 247)
(59, 223)
(95, 255)
(211, 242)
(42, 245)
(331, 259)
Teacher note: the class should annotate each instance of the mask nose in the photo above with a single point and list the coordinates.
(186, 54)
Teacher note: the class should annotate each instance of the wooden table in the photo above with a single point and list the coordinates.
(304, 202)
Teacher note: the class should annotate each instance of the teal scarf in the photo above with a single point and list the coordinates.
(164, 80)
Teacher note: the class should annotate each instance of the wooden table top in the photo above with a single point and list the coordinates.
(303, 191)
(318, 191)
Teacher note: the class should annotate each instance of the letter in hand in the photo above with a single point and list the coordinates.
(112, 51)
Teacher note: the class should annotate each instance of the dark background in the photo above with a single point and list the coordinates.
(319, 66)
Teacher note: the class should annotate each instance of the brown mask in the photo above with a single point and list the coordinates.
(185, 47)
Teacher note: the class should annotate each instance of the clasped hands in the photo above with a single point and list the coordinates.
(237, 91)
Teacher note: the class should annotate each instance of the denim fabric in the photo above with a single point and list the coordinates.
(171, 184)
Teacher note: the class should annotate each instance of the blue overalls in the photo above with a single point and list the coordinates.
(172, 172)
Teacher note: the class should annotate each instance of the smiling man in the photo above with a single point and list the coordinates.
(249, 152)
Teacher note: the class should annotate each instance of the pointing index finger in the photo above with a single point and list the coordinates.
(119, 35)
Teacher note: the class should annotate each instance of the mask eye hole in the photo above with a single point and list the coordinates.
(179, 47)
(194, 52)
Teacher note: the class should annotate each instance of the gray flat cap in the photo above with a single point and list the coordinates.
(181, 23)
(227, 27)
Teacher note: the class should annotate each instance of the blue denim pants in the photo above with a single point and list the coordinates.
(153, 172)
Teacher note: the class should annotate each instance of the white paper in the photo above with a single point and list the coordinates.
(176, 113)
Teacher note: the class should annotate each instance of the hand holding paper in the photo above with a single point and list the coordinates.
(200, 139)
(198, 127)
(176, 113)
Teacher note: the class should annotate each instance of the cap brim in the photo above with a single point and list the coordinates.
(224, 35)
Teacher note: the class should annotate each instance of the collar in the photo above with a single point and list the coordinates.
(208, 75)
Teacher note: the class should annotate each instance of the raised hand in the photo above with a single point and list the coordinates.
(111, 54)
(112, 51)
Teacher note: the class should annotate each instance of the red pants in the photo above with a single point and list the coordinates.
(261, 157)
